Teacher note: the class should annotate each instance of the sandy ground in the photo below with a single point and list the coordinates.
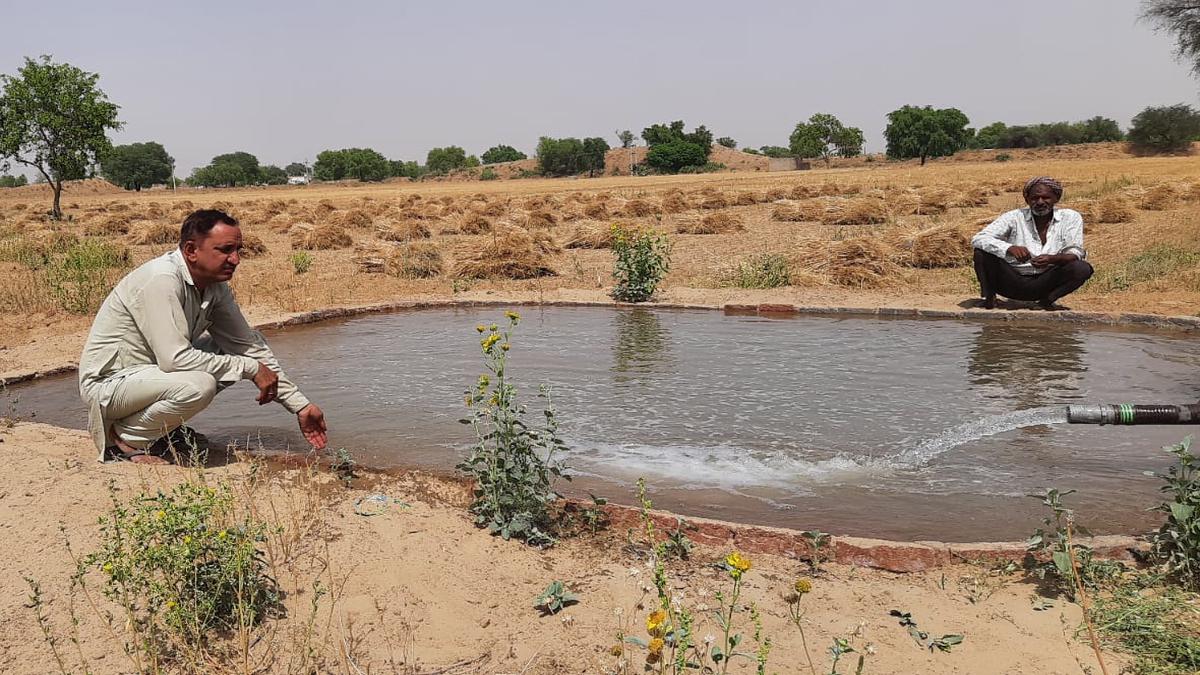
(418, 588)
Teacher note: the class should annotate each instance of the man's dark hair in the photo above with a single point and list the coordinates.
(199, 223)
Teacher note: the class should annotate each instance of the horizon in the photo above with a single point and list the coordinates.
(292, 80)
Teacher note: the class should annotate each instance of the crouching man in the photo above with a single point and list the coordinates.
(1035, 253)
(167, 339)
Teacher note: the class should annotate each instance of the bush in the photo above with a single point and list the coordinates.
(301, 261)
(82, 275)
(183, 566)
(488, 174)
(765, 270)
(1165, 129)
(672, 156)
(1176, 545)
(1003, 157)
(363, 164)
(512, 463)
(642, 261)
(707, 167)
(502, 153)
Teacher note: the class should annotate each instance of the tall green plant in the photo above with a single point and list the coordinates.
(512, 463)
(1177, 543)
(643, 259)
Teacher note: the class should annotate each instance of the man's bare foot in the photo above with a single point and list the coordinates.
(128, 453)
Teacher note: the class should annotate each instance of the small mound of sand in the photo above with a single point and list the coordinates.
(510, 253)
(323, 237)
(714, 223)
(148, 233)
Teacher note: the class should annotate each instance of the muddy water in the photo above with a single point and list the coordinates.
(866, 426)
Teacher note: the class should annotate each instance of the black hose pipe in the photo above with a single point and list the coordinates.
(1125, 413)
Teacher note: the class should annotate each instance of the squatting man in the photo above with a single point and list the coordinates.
(1034, 253)
(169, 337)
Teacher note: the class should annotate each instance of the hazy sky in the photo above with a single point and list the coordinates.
(287, 80)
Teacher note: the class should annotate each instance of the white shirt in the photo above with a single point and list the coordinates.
(1016, 228)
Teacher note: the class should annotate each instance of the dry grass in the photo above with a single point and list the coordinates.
(540, 218)
(675, 202)
(412, 260)
(405, 230)
(509, 253)
(1114, 209)
(107, 226)
(943, 245)
(475, 223)
(590, 234)
(854, 211)
(639, 208)
(327, 236)
(1159, 198)
(253, 246)
(713, 223)
(596, 210)
(857, 262)
(151, 233)
(714, 201)
(353, 218)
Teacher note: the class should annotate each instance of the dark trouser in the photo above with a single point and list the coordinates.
(997, 277)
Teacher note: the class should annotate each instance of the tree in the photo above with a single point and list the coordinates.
(401, 169)
(1181, 17)
(296, 169)
(626, 138)
(1165, 128)
(775, 151)
(445, 160)
(824, 136)
(232, 169)
(560, 156)
(138, 165)
(727, 142)
(502, 153)
(55, 120)
(594, 150)
(990, 136)
(362, 164)
(7, 181)
(672, 156)
(273, 175)
(925, 132)
(1099, 130)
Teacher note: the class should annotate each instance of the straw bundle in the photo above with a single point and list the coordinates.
(714, 223)
(281, 222)
(107, 226)
(474, 223)
(675, 202)
(803, 191)
(325, 236)
(252, 245)
(545, 242)
(971, 197)
(510, 253)
(935, 200)
(590, 234)
(776, 193)
(404, 230)
(148, 232)
(1114, 209)
(856, 211)
(638, 208)
(419, 260)
(1159, 198)
(859, 262)
(353, 218)
(273, 207)
(597, 209)
(493, 209)
(713, 201)
(540, 219)
(324, 208)
(942, 245)
(745, 198)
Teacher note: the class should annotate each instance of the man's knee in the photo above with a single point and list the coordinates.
(196, 388)
(981, 255)
(1080, 270)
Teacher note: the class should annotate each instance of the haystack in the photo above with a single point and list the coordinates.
(1159, 197)
(674, 202)
(943, 245)
(971, 197)
(474, 223)
(540, 219)
(352, 218)
(638, 208)
(326, 236)
(597, 209)
(252, 245)
(417, 260)
(713, 223)
(509, 253)
(713, 201)
(150, 232)
(404, 230)
(745, 198)
(544, 241)
(859, 262)
(493, 209)
(1114, 209)
(853, 211)
(281, 222)
(803, 191)
(324, 208)
(794, 213)
(776, 193)
(107, 226)
(935, 200)
(591, 234)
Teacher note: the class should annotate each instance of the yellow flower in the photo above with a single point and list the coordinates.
(513, 316)
(107, 567)
(505, 346)
(489, 341)
(480, 328)
(187, 539)
(160, 514)
(484, 381)
(656, 646)
(493, 328)
(222, 534)
(737, 563)
(802, 586)
(655, 621)
(170, 604)
(616, 650)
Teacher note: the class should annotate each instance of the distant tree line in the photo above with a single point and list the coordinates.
(1095, 130)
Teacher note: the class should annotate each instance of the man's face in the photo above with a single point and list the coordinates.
(215, 258)
(1041, 200)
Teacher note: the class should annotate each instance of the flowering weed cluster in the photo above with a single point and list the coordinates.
(512, 463)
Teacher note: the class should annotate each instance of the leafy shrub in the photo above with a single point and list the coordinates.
(501, 153)
(643, 259)
(1003, 157)
(707, 167)
(674, 155)
(488, 173)
(1064, 554)
(512, 463)
(1165, 129)
(1177, 543)
(301, 261)
(765, 270)
(183, 567)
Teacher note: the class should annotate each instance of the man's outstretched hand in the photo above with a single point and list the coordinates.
(268, 384)
(312, 425)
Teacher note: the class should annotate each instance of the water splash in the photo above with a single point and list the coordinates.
(974, 430)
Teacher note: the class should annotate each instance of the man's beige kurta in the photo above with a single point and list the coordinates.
(157, 318)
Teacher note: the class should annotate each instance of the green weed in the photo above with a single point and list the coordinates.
(643, 259)
(1176, 545)
(555, 598)
(1153, 263)
(765, 270)
(1159, 627)
(301, 261)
